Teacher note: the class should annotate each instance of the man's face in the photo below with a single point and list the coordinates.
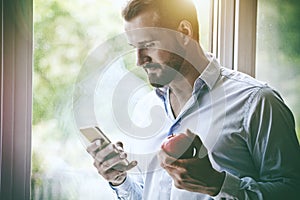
(154, 48)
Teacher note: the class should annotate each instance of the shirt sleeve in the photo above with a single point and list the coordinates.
(273, 145)
(131, 189)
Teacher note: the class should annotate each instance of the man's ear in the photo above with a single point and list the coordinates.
(186, 30)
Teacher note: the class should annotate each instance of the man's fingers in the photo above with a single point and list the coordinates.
(92, 148)
(119, 145)
(191, 186)
(111, 161)
(112, 175)
(117, 159)
(184, 176)
(105, 152)
(196, 139)
(131, 165)
(201, 149)
(189, 133)
(123, 166)
(164, 158)
(169, 161)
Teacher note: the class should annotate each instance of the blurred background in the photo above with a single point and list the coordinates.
(65, 32)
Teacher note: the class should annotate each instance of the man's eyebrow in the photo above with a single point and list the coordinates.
(141, 43)
(131, 45)
(145, 42)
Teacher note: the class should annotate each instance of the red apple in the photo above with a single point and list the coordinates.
(179, 146)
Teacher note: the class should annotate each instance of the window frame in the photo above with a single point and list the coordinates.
(233, 34)
(239, 35)
(16, 98)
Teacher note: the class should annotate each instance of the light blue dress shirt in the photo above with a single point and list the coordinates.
(247, 129)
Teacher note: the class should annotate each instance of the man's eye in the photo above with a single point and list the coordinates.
(149, 45)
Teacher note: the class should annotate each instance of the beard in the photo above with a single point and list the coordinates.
(160, 75)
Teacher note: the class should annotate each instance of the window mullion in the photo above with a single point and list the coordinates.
(16, 98)
(245, 36)
(226, 32)
(214, 27)
(233, 34)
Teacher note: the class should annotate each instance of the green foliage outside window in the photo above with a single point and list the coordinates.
(278, 50)
(64, 34)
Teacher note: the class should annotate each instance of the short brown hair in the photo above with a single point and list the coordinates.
(170, 12)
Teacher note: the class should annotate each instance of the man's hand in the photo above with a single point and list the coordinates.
(109, 161)
(195, 174)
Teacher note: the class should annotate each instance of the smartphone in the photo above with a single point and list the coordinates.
(94, 133)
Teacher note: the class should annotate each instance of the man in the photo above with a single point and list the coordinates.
(250, 146)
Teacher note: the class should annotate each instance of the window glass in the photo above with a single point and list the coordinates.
(65, 34)
(203, 8)
(278, 50)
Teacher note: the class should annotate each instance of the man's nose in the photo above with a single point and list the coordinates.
(142, 57)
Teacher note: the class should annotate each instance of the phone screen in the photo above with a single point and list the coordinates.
(94, 133)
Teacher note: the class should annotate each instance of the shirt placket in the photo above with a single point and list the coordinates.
(197, 93)
(165, 186)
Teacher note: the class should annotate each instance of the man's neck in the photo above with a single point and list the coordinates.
(181, 88)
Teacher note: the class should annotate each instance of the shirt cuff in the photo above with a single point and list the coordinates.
(230, 187)
(122, 190)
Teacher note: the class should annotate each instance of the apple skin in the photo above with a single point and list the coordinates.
(179, 146)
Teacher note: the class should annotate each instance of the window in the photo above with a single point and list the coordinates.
(278, 50)
(64, 33)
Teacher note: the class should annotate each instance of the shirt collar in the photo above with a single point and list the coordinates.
(211, 73)
(208, 77)
(161, 92)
